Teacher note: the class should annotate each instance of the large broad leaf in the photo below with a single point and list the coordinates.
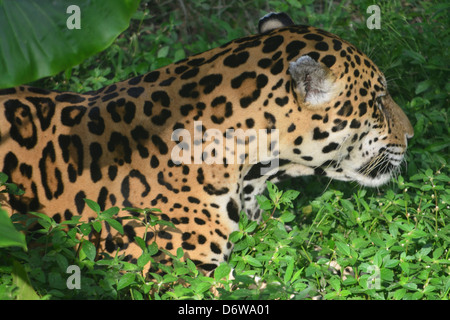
(9, 236)
(20, 279)
(40, 38)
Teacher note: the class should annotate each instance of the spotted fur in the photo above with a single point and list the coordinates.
(328, 101)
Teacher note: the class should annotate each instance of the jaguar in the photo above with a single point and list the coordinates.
(321, 105)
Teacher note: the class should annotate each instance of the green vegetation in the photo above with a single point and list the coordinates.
(44, 33)
(333, 241)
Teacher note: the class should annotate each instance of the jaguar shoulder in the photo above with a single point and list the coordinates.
(199, 138)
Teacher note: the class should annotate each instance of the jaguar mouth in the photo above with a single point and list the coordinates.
(379, 169)
(376, 167)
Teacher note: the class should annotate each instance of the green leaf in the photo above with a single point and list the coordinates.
(3, 178)
(423, 86)
(168, 278)
(109, 213)
(410, 286)
(153, 248)
(437, 253)
(143, 260)
(202, 286)
(88, 249)
(62, 262)
(43, 217)
(93, 205)
(37, 38)
(251, 226)
(348, 205)
(127, 266)
(116, 225)
(163, 52)
(126, 280)
(252, 261)
(141, 243)
(289, 270)
(335, 283)
(386, 274)
(291, 194)
(179, 54)
(97, 226)
(415, 56)
(391, 263)
(331, 295)
(55, 280)
(21, 280)
(345, 293)
(311, 269)
(180, 253)
(166, 223)
(191, 265)
(393, 229)
(416, 234)
(222, 271)
(287, 216)
(9, 236)
(399, 294)
(235, 236)
(423, 252)
(179, 271)
(264, 202)
(13, 189)
(344, 248)
(405, 267)
(437, 146)
(85, 228)
(241, 245)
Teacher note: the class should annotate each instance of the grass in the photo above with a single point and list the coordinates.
(327, 240)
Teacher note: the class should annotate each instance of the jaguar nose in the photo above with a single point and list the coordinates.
(400, 118)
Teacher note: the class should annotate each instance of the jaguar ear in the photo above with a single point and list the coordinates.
(273, 20)
(313, 81)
